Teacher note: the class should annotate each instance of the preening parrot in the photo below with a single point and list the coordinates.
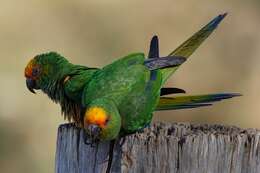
(120, 98)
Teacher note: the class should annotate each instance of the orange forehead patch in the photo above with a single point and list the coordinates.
(28, 69)
(96, 115)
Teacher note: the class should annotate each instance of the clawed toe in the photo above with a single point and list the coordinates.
(89, 141)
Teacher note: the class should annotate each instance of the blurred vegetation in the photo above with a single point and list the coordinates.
(94, 33)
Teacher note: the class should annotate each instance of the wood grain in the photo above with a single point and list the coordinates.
(175, 148)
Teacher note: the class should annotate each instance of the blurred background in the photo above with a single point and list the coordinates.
(94, 33)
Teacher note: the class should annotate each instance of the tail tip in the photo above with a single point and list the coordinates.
(220, 17)
(236, 94)
(154, 37)
(224, 14)
(231, 95)
(214, 23)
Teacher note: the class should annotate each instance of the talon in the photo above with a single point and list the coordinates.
(92, 145)
(87, 139)
(88, 143)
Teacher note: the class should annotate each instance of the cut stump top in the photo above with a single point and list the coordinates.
(163, 147)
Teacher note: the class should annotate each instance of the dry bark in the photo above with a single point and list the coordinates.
(175, 148)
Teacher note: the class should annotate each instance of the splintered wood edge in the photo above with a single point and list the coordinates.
(173, 129)
(180, 131)
(168, 146)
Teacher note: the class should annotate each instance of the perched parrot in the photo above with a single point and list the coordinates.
(120, 98)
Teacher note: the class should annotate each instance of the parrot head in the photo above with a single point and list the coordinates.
(32, 72)
(43, 71)
(96, 121)
(102, 120)
(49, 72)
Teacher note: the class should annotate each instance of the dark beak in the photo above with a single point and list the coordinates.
(30, 83)
(94, 130)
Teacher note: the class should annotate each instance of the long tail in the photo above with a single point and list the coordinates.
(189, 46)
(185, 102)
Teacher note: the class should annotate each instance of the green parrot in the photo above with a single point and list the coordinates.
(120, 98)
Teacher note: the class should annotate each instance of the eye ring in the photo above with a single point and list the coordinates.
(35, 72)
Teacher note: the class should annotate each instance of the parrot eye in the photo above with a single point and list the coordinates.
(107, 120)
(35, 72)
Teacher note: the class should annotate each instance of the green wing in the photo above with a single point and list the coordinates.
(117, 79)
(189, 46)
(74, 83)
(184, 102)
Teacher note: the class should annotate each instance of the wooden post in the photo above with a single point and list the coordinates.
(162, 148)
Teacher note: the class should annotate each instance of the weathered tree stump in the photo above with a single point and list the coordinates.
(176, 148)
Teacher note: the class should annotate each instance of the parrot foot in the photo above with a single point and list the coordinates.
(89, 141)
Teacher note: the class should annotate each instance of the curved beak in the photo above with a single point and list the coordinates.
(30, 83)
(94, 130)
